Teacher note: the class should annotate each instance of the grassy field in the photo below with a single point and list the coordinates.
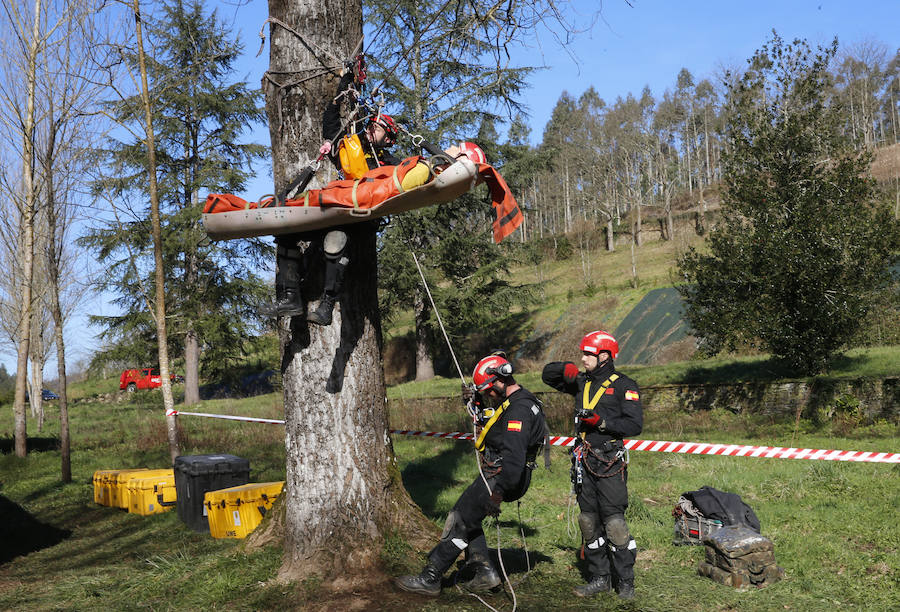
(834, 525)
(875, 362)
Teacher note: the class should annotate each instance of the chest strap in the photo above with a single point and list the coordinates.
(589, 403)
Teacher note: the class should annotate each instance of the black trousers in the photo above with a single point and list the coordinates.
(606, 496)
(463, 530)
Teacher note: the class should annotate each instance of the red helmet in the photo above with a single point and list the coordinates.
(598, 341)
(489, 369)
(387, 122)
(473, 152)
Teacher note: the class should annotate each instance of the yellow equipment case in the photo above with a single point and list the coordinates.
(236, 511)
(151, 493)
(105, 486)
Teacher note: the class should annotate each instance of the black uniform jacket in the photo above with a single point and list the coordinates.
(619, 406)
(515, 439)
(331, 126)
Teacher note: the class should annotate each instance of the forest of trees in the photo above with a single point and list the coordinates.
(609, 158)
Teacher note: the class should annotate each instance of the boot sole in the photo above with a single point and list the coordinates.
(408, 589)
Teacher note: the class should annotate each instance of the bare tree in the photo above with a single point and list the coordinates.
(20, 118)
(63, 152)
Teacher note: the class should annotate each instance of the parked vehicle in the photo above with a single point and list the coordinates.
(143, 378)
(46, 395)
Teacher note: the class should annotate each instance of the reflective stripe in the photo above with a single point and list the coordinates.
(596, 544)
(460, 543)
(632, 545)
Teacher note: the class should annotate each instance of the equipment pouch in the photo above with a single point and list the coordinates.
(352, 157)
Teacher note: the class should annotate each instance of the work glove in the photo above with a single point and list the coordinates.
(591, 418)
(467, 393)
(493, 503)
(570, 372)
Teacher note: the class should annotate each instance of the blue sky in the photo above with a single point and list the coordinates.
(646, 43)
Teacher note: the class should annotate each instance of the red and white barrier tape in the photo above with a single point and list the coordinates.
(658, 446)
(702, 448)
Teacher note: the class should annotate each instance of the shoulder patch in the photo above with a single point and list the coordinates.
(632, 395)
(610, 391)
(535, 409)
(514, 426)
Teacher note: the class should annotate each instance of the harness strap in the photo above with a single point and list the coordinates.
(479, 443)
(588, 404)
(397, 183)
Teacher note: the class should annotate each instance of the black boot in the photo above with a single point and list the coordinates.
(322, 314)
(290, 305)
(288, 263)
(426, 583)
(598, 584)
(485, 579)
(625, 589)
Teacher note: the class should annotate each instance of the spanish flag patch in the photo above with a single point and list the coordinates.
(514, 426)
(632, 395)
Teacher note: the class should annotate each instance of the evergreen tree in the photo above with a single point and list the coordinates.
(211, 288)
(803, 245)
(434, 64)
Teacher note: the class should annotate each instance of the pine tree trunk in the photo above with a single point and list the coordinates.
(343, 492)
(424, 362)
(191, 368)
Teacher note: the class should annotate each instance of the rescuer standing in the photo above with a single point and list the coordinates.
(607, 409)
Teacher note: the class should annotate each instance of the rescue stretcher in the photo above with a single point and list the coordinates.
(301, 216)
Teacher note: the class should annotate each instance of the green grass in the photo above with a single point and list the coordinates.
(833, 524)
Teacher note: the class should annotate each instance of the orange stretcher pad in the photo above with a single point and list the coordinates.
(378, 193)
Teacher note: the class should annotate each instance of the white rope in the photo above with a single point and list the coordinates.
(436, 313)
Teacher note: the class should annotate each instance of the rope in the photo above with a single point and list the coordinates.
(437, 314)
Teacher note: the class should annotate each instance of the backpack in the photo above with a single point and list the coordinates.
(726, 507)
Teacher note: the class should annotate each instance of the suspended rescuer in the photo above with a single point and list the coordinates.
(607, 409)
(356, 153)
(512, 433)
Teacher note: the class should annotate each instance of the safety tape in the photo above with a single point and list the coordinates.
(702, 448)
(658, 446)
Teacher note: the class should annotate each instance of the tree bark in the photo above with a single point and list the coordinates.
(343, 492)
(191, 367)
(28, 187)
(159, 274)
(424, 340)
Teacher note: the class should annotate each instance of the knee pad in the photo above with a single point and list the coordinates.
(587, 522)
(454, 529)
(617, 531)
(334, 244)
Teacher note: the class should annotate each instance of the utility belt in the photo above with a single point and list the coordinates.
(606, 454)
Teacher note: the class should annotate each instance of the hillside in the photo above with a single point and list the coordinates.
(592, 290)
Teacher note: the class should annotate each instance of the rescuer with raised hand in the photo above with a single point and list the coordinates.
(607, 409)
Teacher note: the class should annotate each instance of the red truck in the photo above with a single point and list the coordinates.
(143, 378)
